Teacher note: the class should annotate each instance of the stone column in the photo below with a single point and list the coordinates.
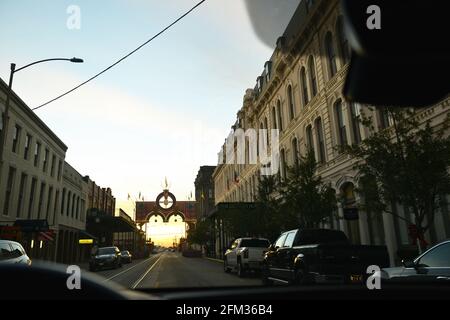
(389, 233)
(342, 223)
(363, 225)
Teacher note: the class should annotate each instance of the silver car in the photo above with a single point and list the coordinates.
(12, 252)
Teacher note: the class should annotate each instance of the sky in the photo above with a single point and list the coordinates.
(165, 111)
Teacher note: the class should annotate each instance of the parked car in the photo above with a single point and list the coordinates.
(12, 252)
(126, 256)
(431, 266)
(304, 256)
(106, 257)
(245, 254)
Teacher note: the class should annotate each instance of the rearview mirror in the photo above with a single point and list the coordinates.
(389, 66)
(272, 247)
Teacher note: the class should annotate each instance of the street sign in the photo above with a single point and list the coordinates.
(32, 225)
(86, 241)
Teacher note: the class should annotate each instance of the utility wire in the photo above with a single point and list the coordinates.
(121, 59)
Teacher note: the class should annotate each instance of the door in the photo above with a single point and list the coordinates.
(285, 258)
(274, 263)
(231, 254)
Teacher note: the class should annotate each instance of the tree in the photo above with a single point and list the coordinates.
(308, 201)
(407, 164)
(269, 216)
(200, 234)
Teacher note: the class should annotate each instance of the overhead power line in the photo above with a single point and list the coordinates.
(123, 58)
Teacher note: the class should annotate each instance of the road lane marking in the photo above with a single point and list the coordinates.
(145, 274)
(122, 272)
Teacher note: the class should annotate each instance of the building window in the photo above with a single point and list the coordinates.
(283, 164)
(312, 76)
(37, 151)
(41, 199)
(55, 207)
(320, 140)
(291, 102)
(295, 151)
(8, 191)
(52, 168)
(342, 131)
(28, 139)
(49, 202)
(309, 139)
(274, 118)
(331, 54)
(266, 126)
(344, 47)
(68, 203)
(32, 195)
(385, 118)
(280, 116)
(16, 138)
(45, 160)
(59, 170)
(23, 183)
(63, 199)
(304, 86)
(77, 212)
(73, 206)
(355, 110)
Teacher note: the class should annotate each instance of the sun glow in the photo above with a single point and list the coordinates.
(165, 233)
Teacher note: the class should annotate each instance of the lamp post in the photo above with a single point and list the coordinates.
(5, 118)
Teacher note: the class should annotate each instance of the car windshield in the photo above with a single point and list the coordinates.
(255, 243)
(103, 251)
(171, 130)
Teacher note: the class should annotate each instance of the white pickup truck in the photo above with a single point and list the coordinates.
(245, 254)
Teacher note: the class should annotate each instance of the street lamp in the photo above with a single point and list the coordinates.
(5, 118)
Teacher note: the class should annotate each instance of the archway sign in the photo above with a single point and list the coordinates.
(165, 206)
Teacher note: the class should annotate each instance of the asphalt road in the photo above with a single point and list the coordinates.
(172, 270)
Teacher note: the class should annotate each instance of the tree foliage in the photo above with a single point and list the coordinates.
(407, 164)
(307, 199)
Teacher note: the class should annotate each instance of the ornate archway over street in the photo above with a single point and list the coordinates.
(165, 206)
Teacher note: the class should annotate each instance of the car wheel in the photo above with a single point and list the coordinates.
(226, 268)
(240, 270)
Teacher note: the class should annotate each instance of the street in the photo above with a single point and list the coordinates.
(172, 270)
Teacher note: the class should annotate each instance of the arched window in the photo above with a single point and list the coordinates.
(331, 54)
(355, 110)
(283, 164)
(344, 47)
(342, 130)
(266, 126)
(295, 151)
(312, 76)
(291, 102)
(280, 116)
(309, 139)
(274, 118)
(320, 140)
(304, 87)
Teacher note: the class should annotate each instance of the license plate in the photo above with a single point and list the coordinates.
(356, 278)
